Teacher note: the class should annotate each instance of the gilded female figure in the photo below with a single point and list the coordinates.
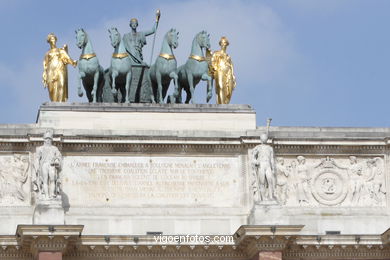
(55, 73)
(222, 71)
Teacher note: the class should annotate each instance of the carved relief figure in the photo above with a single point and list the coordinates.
(302, 185)
(55, 72)
(264, 167)
(356, 180)
(374, 181)
(343, 181)
(13, 175)
(281, 180)
(48, 161)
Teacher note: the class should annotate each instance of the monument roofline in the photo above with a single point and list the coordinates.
(147, 107)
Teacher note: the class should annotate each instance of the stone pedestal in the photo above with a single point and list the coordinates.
(49, 212)
(125, 117)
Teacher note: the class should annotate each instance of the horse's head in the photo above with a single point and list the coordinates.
(81, 38)
(115, 36)
(172, 38)
(203, 39)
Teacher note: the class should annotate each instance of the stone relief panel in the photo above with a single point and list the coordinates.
(153, 181)
(339, 181)
(14, 180)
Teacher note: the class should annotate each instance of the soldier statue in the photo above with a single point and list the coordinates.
(48, 160)
(264, 167)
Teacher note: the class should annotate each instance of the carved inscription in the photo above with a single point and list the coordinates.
(160, 181)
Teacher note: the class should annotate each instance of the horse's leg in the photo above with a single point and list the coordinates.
(209, 86)
(190, 80)
(128, 84)
(95, 85)
(100, 85)
(149, 80)
(178, 99)
(88, 89)
(159, 87)
(114, 91)
(79, 90)
(174, 76)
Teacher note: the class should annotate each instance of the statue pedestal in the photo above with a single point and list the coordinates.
(49, 212)
(128, 117)
(268, 214)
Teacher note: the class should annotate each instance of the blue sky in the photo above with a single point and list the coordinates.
(301, 62)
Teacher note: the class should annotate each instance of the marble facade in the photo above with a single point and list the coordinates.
(132, 170)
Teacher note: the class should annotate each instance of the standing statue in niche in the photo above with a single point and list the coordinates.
(55, 72)
(48, 160)
(221, 69)
(264, 167)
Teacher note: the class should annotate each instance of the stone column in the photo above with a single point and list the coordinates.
(49, 256)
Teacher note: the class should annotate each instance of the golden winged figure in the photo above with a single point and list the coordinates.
(221, 69)
(55, 73)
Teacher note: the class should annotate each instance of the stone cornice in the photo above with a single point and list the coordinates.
(248, 241)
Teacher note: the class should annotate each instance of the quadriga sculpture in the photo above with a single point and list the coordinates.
(120, 69)
(164, 69)
(90, 72)
(195, 69)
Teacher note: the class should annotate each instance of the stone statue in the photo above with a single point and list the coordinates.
(120, 69)
(55, 72)
(223, 73)
(164, 69)
(195, 69)
(48, 160)
(90, 72)
(134, 41)
(264, 168)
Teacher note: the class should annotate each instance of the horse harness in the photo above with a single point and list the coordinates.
(197, 58)
(120, 55)
(167, 56)
(87, 56)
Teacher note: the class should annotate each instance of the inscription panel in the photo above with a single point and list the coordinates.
(135, 181)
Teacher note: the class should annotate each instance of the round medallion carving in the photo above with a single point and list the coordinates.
(329, 187)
